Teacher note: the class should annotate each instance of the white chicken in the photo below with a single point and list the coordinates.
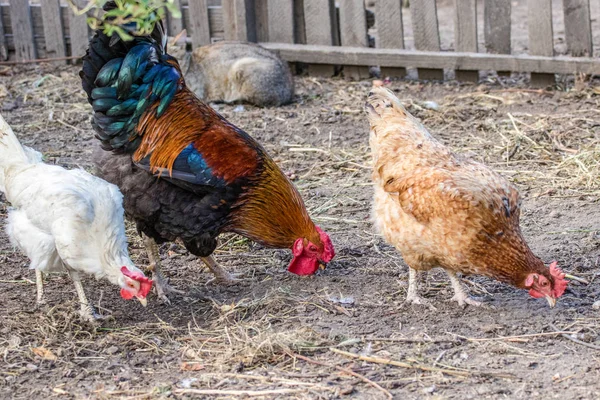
(66, 220)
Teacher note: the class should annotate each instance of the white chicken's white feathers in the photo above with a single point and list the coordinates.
(62, 218)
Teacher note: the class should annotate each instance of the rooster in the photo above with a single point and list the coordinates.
(185, 172)
(442, 210)
(66, 220)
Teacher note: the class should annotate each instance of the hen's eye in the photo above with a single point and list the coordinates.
(545, 283)
(131, 285)
(312, 248)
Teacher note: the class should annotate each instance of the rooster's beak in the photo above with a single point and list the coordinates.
(551, 301)
(322, 266)
(143, 301)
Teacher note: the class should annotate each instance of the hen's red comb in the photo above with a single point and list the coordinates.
(145, 282)
(560, 283)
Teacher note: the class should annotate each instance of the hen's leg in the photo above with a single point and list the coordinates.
(460, 296)
(221, 276)
(86, 310)
(161, 284)
(413, 285)
(39, 283)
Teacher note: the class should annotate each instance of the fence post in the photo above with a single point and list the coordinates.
(578, 30)
(53, 29)
(281, 20)
(541, 41)
(353, 29)
(319, 30)
(3, 44)
(22, 29)
(496, 15)
(465, 34)
(390, 32)
(427, 34)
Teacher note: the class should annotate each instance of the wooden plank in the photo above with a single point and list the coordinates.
(299, 28)
(541, 43)
(199, 24)
(318, 30)
(281, 20)
(79, 32)
(465, 34)
(390, 31)
(261, 19)
(578, 29)
(353, 29)
(3, 42)
(175, 24)
(496, 21)
(426, 33)
(53, 29)
(22, 30)
(432, 59)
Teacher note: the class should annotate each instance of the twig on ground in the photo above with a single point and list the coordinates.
(512, 338)
(575, 340)
(410, 340)
(400, 364)
(226, 392)
(346, 371)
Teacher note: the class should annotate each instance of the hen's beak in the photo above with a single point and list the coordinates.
(143, 301)
(322, 266)
(551, 301)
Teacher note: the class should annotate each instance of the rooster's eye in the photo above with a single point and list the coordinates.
(545, 283)
(312, 247)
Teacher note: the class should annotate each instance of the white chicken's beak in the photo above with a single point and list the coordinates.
(551, 301)
(143, 301)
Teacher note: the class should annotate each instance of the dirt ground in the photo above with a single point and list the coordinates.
(281, 336)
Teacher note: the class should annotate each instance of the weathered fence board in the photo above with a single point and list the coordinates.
(281, 20)
(426, 32)
(3, 42)
(465, 34)
(353, 30)
(78, 27)
(451, 60)
(22, 29)
(234, 20)
(175, 25)
(497, 26)
(299, 28)
(541, 43)
(390, 31)
(578, 29)
(53, 29)
(199, 23)
(318, 30)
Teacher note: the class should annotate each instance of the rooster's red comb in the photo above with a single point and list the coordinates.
(560, 283)
(145, 282)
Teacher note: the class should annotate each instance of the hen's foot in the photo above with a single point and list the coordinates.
(415, 299)
(463, 299)
(89, 314)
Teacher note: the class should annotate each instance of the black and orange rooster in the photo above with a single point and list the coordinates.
(185, 172)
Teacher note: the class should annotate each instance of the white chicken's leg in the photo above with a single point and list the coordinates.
(39, 283)
(86, 310)
(413, 286)
(161, 284)
(221, 276)
(460, 296)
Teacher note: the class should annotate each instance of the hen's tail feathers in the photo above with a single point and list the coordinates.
(123, 79)
(12, 152)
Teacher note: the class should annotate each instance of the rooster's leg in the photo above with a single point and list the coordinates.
(39, 283)
(221, 276)
(413, 286)
(86, 311)
(161, 284)
(460, 296)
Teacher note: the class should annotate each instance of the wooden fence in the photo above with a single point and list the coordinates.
(328, 33)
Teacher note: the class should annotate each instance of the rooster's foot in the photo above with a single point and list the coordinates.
(89, 314)
(162, 286)
(225, 279)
